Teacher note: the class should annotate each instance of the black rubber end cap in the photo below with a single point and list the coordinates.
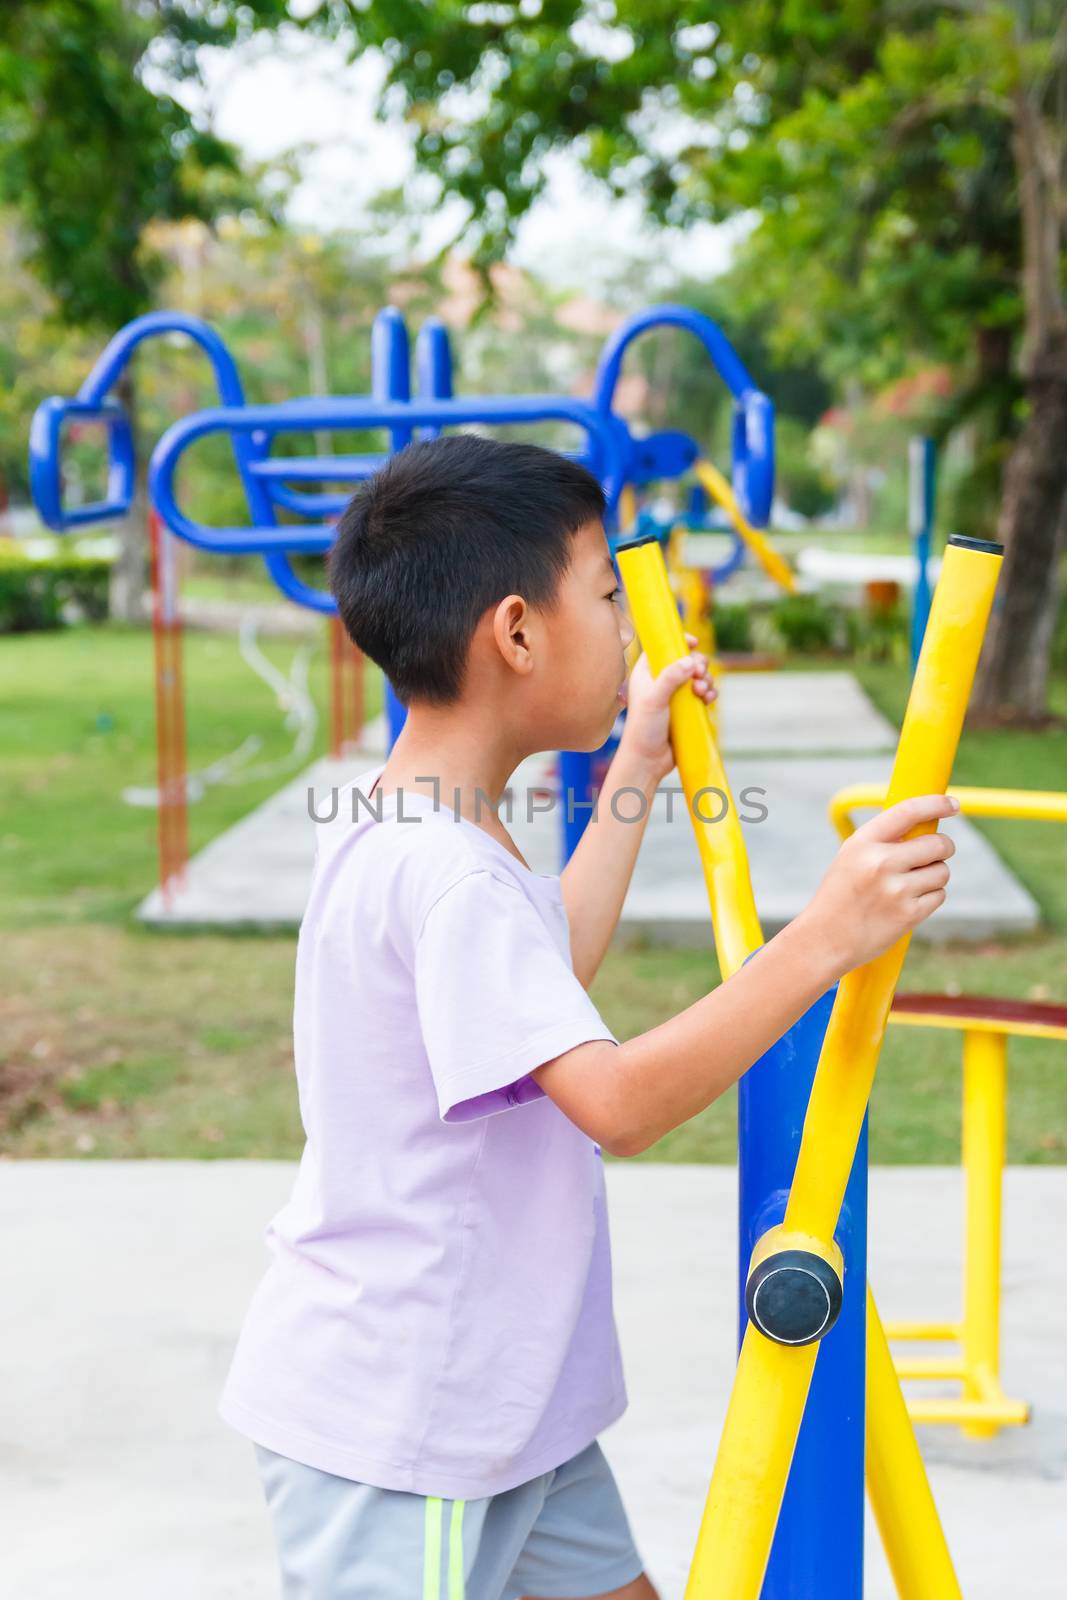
(990, 547)
(632, 544)
(794, 1297)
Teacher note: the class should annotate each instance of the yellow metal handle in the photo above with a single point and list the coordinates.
(1035, 805)
(929, 738)
(774, 565)
(721, 845)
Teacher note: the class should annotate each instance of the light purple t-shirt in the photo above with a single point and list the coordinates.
(437, 1316)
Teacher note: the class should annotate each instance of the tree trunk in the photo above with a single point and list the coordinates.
(1013, 676)
(129, 574)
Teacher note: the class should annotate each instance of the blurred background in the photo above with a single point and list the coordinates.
(871, 201)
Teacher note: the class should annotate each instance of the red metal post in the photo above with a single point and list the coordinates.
(172, 811)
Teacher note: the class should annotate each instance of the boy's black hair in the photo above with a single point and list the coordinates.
(442, 531)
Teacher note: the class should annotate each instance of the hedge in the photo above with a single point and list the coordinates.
(61, 588)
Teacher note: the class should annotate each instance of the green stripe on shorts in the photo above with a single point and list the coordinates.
(431, 1545)
(456, 1581)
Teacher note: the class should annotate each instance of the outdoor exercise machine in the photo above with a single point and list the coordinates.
(315, 488)
(982, 1408)
(796, 1426)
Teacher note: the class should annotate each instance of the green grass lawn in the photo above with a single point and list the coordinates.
(121, 1041)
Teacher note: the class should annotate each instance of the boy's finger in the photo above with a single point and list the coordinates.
(898, 820)
(919, 852)
(675, 673)
(925, 879)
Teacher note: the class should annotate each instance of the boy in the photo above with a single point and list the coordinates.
(429, 1361)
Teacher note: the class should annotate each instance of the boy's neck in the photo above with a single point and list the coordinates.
(443, 754)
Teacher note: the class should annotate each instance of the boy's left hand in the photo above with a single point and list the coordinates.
(646, 735)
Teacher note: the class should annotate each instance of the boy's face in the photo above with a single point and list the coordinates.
(584, 670)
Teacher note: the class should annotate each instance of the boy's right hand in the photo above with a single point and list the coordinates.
(882, 883)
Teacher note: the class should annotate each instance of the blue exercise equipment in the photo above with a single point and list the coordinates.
(317, 488)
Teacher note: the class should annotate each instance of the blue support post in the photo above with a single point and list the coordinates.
(575, 797)
(922, 486)
(395, 715)
(813, 1554)
(390, 360)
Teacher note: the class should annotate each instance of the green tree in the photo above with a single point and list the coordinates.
(906, 163)
(91, 154)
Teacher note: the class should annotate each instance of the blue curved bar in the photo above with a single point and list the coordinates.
(92, 405)
(293, 586)
(753, 429)
(303, 416)
(46, 454)
(726, 361)
(116, 353)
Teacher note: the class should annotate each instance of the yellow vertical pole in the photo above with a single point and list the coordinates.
(897, 1483)
(984, 1119)
(771, 1383)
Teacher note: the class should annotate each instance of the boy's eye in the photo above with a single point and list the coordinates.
(615, 593)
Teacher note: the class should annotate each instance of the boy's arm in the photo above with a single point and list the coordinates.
(880, 886)
(595, 880)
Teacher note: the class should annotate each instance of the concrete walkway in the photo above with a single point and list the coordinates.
(125, 1284)
(792, 740)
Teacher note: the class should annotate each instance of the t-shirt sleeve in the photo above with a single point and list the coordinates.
(496, 997)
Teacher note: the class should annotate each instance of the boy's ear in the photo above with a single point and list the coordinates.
(511, 631)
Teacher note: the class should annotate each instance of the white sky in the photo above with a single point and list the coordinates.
(272, 97)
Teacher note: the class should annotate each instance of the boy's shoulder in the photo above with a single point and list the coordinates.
(402, 856)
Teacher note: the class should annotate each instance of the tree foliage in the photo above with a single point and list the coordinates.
(903, 164)
(92, 152)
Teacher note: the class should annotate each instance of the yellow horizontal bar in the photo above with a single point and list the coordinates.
(1007, 1413)
(929, 1367)
(1033, 805)
(1014, 1030)
(923, 1330)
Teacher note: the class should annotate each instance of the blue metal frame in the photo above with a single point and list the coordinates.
(91, 404)
(274, 484)
(753, 423)
(261, 423)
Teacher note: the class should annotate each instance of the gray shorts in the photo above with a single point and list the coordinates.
(563, 1536)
